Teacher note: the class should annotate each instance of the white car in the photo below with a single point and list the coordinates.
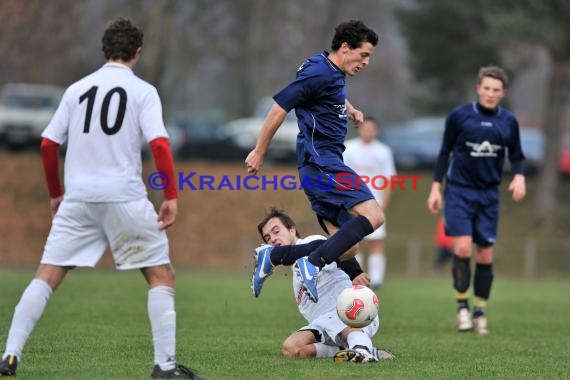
(25, 111)
(244, 133)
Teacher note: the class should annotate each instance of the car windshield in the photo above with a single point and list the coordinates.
(29, 102)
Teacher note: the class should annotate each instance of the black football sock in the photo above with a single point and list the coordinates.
(483, 280)
(461, 272)
(288, 254)
(347, 236)
(482, 286)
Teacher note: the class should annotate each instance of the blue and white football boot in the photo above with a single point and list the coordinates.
(263, 267)
(309, 278)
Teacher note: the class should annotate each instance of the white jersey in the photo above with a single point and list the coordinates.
(373, 159)
(105, 118)
(332, 281)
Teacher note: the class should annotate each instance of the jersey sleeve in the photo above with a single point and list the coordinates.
(150, 117)
(516, 155)
(58, 127)
(449, 137)
(301, 90)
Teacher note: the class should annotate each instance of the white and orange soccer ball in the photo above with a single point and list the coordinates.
(357, 306)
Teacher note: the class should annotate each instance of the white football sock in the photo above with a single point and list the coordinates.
(359, 338)
(325, 351)
(26, 315)
(376, 268)
(163, 324)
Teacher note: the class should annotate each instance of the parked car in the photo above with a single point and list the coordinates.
(207, 140)
(244, 133)
(25, 110)
(416, 143)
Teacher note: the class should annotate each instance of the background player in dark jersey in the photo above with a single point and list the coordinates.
(318, 95)
(476, 140)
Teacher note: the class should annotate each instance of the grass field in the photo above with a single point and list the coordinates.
(96, 326)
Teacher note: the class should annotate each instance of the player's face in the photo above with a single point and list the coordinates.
(368, 131)
(355, 60)
(490, 92)
(275, 233)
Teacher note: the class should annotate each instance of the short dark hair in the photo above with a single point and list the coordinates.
(494, 72)
(354, 33)
(121, 39)
(276, 213)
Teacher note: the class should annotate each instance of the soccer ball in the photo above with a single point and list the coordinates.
(357, 306)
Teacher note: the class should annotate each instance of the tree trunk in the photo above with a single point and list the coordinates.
(556, 102)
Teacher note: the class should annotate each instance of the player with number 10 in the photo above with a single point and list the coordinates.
(105, 118)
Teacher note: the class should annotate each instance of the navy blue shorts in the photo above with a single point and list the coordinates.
(472, 212)
(332, 192)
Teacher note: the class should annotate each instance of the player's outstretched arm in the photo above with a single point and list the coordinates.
(272, 122)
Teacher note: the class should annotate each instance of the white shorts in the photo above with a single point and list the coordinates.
(81, 232)
(329, 326)
(378, 234)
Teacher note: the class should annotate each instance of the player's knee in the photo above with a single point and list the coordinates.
(377, 218)
(463, 250)
(290, 351)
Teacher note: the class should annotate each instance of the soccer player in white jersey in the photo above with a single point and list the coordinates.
(325, 335)
(105, 118)
(373, 159)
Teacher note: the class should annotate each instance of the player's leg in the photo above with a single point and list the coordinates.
(162, 314)
(74, 240)
(27, 313)
(137, 243)
(359, 343)
(376, 259)
(482, 286)
(484, 237)
(458, 215)
(303, 344)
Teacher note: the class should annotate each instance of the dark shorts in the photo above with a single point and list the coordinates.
(332, 192)
(472, 212)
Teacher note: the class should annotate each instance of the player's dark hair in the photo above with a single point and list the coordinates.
(121, 39)
(354, 33)
(494, 72)
(283, 217)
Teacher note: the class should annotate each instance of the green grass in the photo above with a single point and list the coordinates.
(96, 326)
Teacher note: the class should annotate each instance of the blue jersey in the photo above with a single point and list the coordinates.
(318, 96)
(476, 138)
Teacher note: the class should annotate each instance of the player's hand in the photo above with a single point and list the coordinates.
(253, 162)
(356, 117)
(518, 187)
(167, 213)
(434, 201)
(361, 279)
(54, 205)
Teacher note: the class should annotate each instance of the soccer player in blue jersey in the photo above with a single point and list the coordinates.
(318, 95)
(477, 138)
